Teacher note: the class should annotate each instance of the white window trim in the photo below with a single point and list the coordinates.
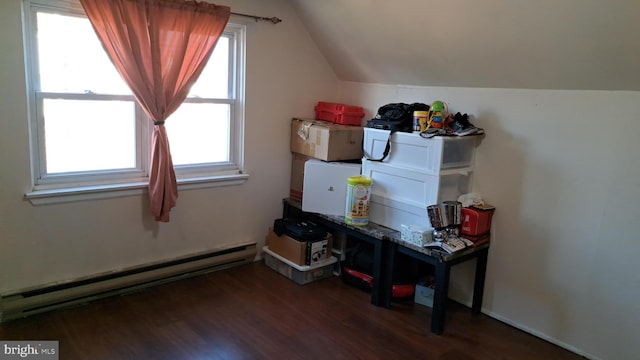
(188, 177)
(96, 192)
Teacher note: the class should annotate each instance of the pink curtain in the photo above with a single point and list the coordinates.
(159, 47)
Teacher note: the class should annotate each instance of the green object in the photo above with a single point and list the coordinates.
(437, 106)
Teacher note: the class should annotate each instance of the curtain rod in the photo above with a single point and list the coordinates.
(273, 20)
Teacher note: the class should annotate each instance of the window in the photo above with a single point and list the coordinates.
(86, 127)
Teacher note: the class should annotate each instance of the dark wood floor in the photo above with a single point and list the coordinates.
(252, 312)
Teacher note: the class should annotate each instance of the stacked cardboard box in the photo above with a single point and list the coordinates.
(324, 155)
(332, 152)
(325, 140)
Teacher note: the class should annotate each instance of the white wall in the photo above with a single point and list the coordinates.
(542, 44)
(563, 171)
(286, 76)
(561, 167)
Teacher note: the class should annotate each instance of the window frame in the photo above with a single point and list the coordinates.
(64, 187)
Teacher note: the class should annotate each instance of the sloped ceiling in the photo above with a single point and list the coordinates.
(534, 44)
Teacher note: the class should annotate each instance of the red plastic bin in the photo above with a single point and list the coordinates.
(339, 113)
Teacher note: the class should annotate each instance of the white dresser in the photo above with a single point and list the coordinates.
(418, 172)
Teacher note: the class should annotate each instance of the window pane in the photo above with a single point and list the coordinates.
(213, 83)
(82, 135)
(72, 58)
(199, 134)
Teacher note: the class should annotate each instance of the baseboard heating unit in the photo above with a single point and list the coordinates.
(62, 295)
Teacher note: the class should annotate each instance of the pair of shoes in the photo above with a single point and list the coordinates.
(461, 125)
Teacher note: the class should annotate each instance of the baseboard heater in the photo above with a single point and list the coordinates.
(34, 301)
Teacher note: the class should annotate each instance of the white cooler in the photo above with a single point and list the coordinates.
(325, 186)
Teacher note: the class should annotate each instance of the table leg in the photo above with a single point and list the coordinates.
(389, 251)
(441, 291)
(478, 285)
(382, 270)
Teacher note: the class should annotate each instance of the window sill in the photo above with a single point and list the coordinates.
(83, 193)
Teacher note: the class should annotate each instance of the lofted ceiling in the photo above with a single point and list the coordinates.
(533, 44)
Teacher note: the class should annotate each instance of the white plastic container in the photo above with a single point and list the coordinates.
(412, 186)
(325, 186)
(410, 150)
(393, 213)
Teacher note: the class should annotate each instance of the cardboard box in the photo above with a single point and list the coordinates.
(325, 185)
(297, 176)
(300, 252)
(326, 141)
(299, 274)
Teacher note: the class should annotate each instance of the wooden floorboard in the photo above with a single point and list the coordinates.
(252, 312)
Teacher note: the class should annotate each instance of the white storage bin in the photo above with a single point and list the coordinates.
(393, 213)
(411, 186)
(325, 186)
(413, 151)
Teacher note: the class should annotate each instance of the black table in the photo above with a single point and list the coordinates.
(373, 234)
(442, 262)
(387, 242)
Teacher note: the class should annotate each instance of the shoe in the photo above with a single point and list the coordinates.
(461, 125)
(430, 132)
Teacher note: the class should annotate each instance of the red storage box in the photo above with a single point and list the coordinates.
(339, 113)
(478, 240)
(476, 221)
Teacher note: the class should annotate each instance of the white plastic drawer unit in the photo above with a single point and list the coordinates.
(410, 150)
(416, 187)
(392, 214)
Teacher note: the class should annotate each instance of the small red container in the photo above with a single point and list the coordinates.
(475, 221)
(478, 240)
(339, 113)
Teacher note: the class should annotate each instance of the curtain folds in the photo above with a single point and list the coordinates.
(159, 47)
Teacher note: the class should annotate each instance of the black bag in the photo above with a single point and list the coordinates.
(394, 117)
(299, 229)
